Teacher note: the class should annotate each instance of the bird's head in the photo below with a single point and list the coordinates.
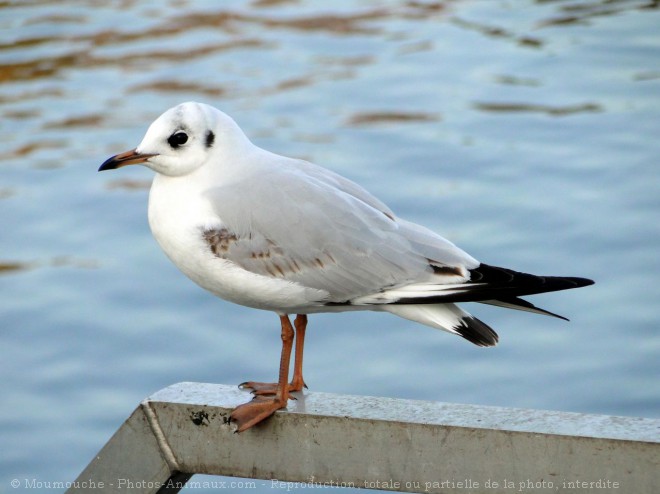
(182, 140)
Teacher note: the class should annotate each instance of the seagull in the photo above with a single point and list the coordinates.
(288, 236)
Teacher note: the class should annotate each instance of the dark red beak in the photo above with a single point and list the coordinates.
(131, 157)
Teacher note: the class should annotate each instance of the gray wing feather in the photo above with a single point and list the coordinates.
(321, 230)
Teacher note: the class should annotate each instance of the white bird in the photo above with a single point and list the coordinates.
(288, 236)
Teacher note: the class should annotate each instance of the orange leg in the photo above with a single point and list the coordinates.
(297, 383)
(261, 407)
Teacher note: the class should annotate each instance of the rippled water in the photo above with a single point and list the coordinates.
(526, 132)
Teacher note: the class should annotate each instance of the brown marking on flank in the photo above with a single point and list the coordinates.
(291, 265)
(219, 240)
(269, 269)
(270, 257)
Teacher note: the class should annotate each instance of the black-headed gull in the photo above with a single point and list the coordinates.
(288, 236)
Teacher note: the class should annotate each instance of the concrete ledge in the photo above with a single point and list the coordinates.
(379, 443)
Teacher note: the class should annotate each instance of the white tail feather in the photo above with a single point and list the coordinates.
(439, 316)
(447, 317)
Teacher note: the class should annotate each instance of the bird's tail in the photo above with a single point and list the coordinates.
(448, 317)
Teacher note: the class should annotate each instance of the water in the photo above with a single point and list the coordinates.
(526, 132)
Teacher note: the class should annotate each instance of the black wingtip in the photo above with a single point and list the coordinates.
(580, 282)
(477, 332)
(522, 304)
(508, 282)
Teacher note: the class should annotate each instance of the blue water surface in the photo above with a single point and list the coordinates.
(526, 132)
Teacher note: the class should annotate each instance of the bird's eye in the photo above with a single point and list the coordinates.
(177, 139)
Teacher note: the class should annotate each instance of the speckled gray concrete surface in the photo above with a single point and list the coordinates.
(380, 443)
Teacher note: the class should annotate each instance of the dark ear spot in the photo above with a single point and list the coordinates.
(210, 138)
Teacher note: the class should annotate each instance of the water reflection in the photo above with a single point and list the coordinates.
(14, 267)
(9, 266)
(30, 148)
(555, 111)
(179, 87)
(128, 184)
(517, 81)
(499, 32)
(7, 192)
(365, 118)
(583, 12)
